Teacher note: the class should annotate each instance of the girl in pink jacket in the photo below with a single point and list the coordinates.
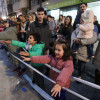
(62, 60)
(85, 30)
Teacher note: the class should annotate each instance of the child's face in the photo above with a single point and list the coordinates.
(59, 51)
(31, 40)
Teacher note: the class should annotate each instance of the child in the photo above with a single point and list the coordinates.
(85, 30)
(34, 47)
(62, 60)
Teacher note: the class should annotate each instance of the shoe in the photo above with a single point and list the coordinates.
(17, 69)
(21, 72)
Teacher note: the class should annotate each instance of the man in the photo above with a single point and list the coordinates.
(40, 26)
(83, 7)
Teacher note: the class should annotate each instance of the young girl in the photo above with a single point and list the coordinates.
(62, 60)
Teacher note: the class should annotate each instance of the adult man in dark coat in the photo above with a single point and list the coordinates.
(83, 7)
(40, 26)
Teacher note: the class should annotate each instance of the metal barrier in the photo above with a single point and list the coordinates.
(72, 92)
(77, 79)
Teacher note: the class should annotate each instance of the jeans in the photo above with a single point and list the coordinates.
(62, 95)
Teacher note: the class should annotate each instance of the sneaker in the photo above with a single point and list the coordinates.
(21, 72)
(17, 69)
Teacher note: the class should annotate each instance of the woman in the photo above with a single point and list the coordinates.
(67, 29)
(23, 29)
(60, 23)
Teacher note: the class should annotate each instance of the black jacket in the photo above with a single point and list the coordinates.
(67, 31)
(43, 30)
(98, 25)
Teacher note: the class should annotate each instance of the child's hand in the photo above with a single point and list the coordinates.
(26, 59)
(24, 53)
(8, 42)
(56, 90)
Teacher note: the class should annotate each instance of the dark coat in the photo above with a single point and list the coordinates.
(77, 19)
(96, 60)
(67, 31)
(98, 25)
(43, 30)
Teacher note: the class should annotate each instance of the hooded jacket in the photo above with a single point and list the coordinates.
(86, 29)
(36, 50)
(66, 68)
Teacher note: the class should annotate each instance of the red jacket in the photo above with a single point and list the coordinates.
(1, 28)
(66, 67)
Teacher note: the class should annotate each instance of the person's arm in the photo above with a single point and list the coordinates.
(5, 35)
(90, 40)
(22, 53)
(86, 27)
(65, 73)
(18, 43)
(63, 78)
(41, 59)
(38, 59)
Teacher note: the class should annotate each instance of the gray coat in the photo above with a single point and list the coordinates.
(82, 51)
(10, 34)
(96, 60)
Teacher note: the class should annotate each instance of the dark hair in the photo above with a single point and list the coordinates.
(49, 16)
(20, 15)
(69, 22)
(36, 36)
(67, 50)
(83, 3)
(59, 17)
(40, 9)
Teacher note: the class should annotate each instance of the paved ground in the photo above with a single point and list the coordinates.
(9, 80)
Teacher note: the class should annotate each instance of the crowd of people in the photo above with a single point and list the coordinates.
(59, 44)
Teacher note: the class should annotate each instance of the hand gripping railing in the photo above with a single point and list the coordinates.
(72, 92)
(77, 79)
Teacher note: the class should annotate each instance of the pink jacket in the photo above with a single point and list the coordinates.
(66, 67)
(85, 31)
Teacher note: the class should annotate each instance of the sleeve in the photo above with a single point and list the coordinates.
(90, 40)
(18, 43)
(41, 59)
(5, 35)
(86, 28)
(36, 52)
(65, 74)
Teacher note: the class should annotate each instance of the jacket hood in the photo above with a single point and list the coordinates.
(87, 16)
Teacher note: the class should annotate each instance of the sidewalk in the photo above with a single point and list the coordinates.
(9, 80)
